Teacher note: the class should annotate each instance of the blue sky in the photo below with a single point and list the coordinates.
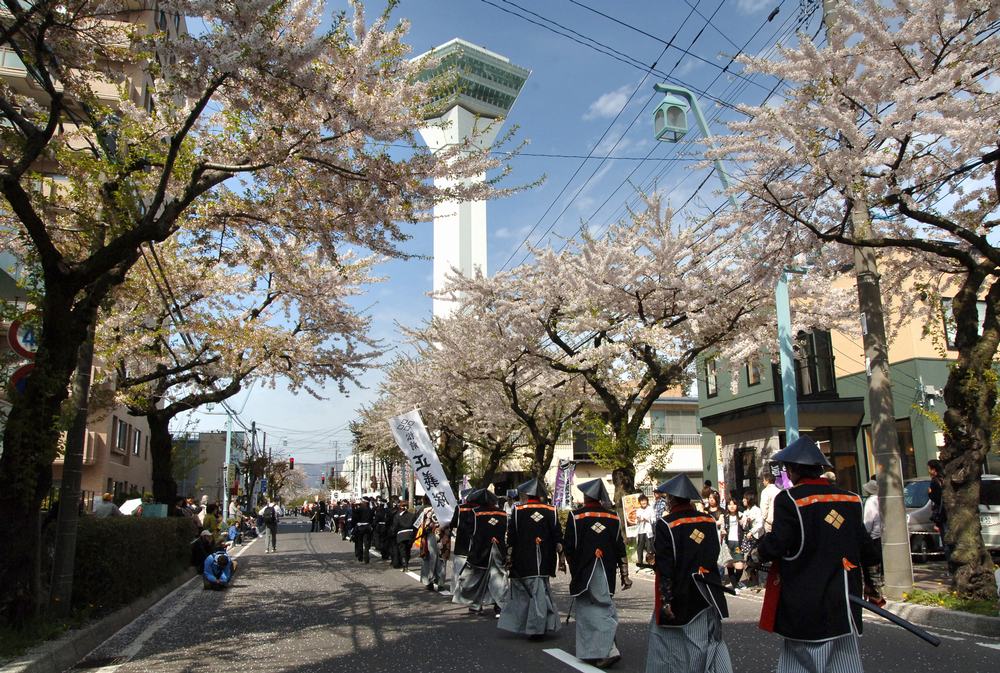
(568, 104)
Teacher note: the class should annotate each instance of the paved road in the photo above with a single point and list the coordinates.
(312, 608)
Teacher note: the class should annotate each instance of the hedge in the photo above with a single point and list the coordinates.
(118, 559)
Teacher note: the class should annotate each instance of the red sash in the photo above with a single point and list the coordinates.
(772, 592)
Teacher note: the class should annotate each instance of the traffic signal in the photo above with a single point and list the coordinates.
(291, 463)
(322, 479)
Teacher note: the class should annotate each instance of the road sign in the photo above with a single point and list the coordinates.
(19, 380)
(23, 338)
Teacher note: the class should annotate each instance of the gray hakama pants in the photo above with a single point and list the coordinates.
(839, 655)
(530, 610)
(432, 567)
(696, 647)
(596, 618)
(457, 563)
(483, 586)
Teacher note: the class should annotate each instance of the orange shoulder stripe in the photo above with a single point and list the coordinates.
(595, 515)
(828, 497)
(488, 513)
(691, 519)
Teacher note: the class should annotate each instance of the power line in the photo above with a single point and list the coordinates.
(596, 145)
(612, 52)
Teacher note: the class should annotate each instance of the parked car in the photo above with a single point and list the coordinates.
(924, 538)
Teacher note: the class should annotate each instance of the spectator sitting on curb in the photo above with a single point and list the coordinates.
(201, 548)
(218, 570)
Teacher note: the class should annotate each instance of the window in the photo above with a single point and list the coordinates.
(949, 320)
(711, 378)
(753, 373)
(136, 443)
(814, 372)
(121, 436)
(904, 437)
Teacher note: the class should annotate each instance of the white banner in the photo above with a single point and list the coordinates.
(411, 436)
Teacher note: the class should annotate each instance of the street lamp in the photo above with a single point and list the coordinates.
(670, 124)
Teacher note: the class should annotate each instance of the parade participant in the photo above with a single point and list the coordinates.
(462, 524)
(595, 547)
(534, 541)
(380, 531)
(218, 569)
(818, 545)
(336, 512)
(434, 548)
(685, 635)
(363, 528)
(323, 511)
(484, 577)
(345, 531)
(402, 531)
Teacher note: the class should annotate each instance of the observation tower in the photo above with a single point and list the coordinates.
(478, 89)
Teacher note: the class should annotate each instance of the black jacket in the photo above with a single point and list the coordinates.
(819, 543)
(532, 535)
(687, 544)
(593, 535)
(463, 523)
(363, 516)
(402, 522)
(490, 529)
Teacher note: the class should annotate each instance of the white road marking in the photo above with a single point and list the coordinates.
(568, 658)
(133, 648)
(992, 646)
(413, 575)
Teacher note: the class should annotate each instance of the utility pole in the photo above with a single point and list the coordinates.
(885, 443)
(225, 467)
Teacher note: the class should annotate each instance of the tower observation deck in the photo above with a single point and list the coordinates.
(477, 89)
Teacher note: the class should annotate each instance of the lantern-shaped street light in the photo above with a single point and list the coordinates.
(670, 118)
(670, 124)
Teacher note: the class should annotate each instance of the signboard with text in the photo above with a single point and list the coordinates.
(411, 436)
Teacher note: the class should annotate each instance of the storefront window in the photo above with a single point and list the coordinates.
(904, 435)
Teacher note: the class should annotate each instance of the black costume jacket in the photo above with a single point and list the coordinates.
(401, 528)
(490, 528)
(532, 536)
(363, 517)
(687, 544)
(819, 545)
(593, 539)
(463, 523)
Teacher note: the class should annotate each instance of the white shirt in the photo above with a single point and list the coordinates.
(753, 520)
(645, 516)
(767, 504)
(873, 521)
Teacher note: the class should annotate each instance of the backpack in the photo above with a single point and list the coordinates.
(269, 517)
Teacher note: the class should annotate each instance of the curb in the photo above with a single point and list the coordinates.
(58, 655)
(942, 618)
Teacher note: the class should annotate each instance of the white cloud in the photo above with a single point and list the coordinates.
(609, 104)
(753, 6)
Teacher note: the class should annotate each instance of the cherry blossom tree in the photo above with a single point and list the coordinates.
(630, 312)
(466, 416)
(221, 317)
(887, 140)
(264, 122)
(483, 352)
(371, 436)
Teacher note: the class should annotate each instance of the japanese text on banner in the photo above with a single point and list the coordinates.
(411, 436)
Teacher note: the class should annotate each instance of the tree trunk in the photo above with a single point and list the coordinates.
(30, 441)
(61, 588)
(161, 447)
(970, 396)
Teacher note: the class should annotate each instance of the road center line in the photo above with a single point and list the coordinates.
(568, 658)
